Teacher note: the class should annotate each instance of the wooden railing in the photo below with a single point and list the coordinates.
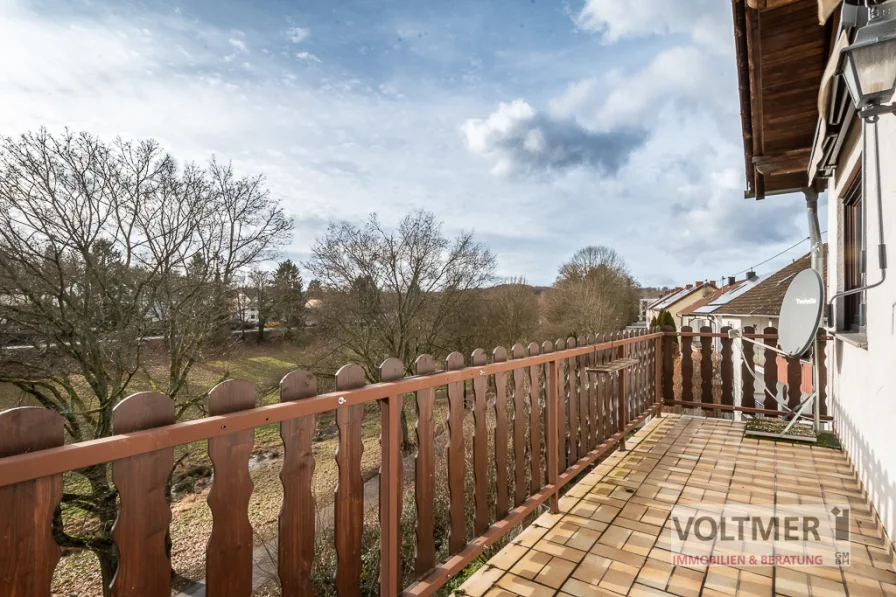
(564, 420)
(703, 375)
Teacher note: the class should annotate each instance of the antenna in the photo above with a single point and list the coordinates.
(798, 324)
(801, 313)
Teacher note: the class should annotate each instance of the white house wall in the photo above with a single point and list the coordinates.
(862, 381)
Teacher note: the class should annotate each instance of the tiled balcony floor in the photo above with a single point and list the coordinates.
(609, 538)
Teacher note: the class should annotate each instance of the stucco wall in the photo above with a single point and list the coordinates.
(863, 380)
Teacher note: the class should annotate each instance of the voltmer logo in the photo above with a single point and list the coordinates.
(760, 535)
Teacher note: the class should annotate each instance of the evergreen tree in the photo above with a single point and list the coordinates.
(288, 297)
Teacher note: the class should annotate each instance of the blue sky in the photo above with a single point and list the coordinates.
(543, 126)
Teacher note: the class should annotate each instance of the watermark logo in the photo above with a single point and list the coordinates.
(759, 535)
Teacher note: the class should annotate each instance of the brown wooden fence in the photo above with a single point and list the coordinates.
(712, 390)
(584, 416)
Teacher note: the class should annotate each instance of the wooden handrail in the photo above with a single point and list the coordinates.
(33, 465)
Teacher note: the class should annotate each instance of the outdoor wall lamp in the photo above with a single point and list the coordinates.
(869, 64)
(869, 69)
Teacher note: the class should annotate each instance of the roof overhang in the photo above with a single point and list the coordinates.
(782, 51)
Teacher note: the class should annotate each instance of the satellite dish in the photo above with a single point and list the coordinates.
(801, 313)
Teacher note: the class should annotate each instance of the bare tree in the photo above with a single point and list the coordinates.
(263, 299)
(594, 292)
(101, 246)
(393, 293)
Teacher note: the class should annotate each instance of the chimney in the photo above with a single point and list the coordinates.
(688, 287)
(731, 280)
(751, 275)
(697, 283)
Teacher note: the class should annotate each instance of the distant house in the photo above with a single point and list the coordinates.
(679, 299)
(759, 304)
(700, 313)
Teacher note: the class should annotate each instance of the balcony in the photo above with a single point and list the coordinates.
(546, 430)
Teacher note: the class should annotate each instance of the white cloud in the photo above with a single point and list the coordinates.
(307, 57)
(238, 44)
(518, 139)
(297, 34)
(708, 22)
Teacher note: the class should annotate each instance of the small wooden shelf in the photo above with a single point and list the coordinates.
(614, 366)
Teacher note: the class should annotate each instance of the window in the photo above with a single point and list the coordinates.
(853, 231)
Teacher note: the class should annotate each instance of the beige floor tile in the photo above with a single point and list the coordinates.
(523, 587)
(592, 569)
(639, 590)
(655, 574)
(615, 536)
(577, 588)
(619, 578)
(530, 564)
(508, 556)
(499, 592)
(685, 582)
(722, 579)
(583, 539)
(822, 587)
(561, 551)
(555, 573)
(754, 585)
(480, 583)
(791, 582)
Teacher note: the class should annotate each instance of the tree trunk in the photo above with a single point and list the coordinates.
(108, 565)
(260, 330)
(405, 434)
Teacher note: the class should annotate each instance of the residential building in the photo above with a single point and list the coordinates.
(806, 130)
(679, 299)
(699, 314)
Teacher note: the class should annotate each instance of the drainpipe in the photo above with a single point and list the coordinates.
(817, 264)
(814, 230)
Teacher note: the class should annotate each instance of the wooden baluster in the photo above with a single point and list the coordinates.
(821, 363)
(457, 537)
(584, 415)
(139, 532)
(591, 396)
(546, 348)
(794, 382)
(480, 447)
(502, 500)
(425, 464)
(519, 428)
(28, 552)
(391, 484)
(687, 365)
(349, 505)
(552, 429)
(668, 366)
(706, 372)
(598, 399)
(572, 401)
(563, 405)
(229, 552)
(727, 368)
(622, 404)
(748, 370)
(536, 472)
(771, 370)
(610, 405)
(296, 524)
(657, 365)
